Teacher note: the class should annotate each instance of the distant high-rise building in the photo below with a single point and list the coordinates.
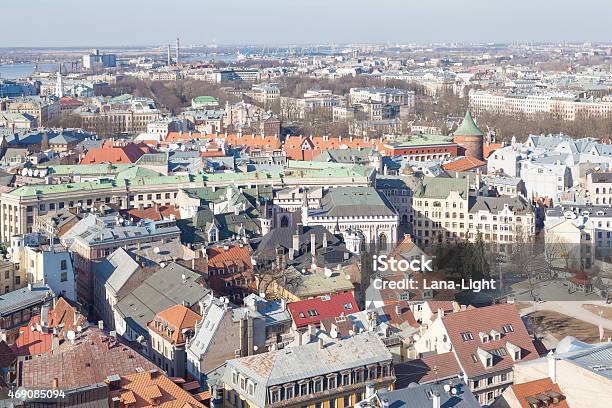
(107, 60)
(169, 58)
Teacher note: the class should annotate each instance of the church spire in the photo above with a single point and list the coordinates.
(59, 83)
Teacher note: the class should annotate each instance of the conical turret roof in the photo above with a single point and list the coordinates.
(468, 127)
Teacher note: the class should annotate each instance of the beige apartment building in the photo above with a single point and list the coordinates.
(120, 121)
(41, 109)
(445, 210)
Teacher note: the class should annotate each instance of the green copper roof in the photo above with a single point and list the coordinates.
(421, 140)
(468, 127)
(205, 99)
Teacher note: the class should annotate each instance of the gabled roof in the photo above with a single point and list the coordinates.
(176, 319)
(311, 311)
(464, 164)
(138, 389)
(90, 360)
(530, 391)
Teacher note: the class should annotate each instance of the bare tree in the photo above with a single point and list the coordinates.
(276, 274)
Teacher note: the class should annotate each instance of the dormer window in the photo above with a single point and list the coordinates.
(514, 351)
(507, 328)
(495, 335)
(289, 391)
(484, 337)
(485, 357)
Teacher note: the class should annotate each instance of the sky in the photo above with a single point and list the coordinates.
(48, 23)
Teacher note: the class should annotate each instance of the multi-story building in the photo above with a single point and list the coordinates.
(96, 237)
(383, 95)
(577, 370)
(21, 205)
(566, 106)
(331, 373)
(225, 332)
(49, 264)
(169, 333)
(11, 277)
(445, 210)
(18, 306)
(105, 60)
(486, 342)
(41, 109)
(599, 188)
(355, 209)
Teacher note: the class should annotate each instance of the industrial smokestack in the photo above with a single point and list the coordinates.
(178, 47)
(169, 58)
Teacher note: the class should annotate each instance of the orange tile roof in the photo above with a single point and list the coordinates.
(464, 164)
(487, 149)
(219, 257)
(532, 388)
(175, 318)
(231, 139)
(307, 147)
(155, 213)
(152, 388)
(116, 153)
(32, 342)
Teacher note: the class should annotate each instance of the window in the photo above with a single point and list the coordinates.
(63, 276)
(347, 401)
(508, 328)
(467, 336)
(63, 265)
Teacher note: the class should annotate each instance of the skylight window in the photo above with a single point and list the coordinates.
(467, 336)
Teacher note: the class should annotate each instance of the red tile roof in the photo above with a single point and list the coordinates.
(152, 388)
(311, 311)
(484, 320)
(430, 368)
(70, 102)
(399, 314)
(91, 359)
(532, 388)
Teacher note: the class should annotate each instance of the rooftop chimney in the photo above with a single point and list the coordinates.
(435, 398)
(321, 344)
(552, 366)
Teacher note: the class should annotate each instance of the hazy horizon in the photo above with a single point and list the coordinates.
(73, 23)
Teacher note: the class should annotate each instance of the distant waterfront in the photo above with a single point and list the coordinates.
(13, 71)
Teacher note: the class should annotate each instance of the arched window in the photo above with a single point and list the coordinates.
(284, 221)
